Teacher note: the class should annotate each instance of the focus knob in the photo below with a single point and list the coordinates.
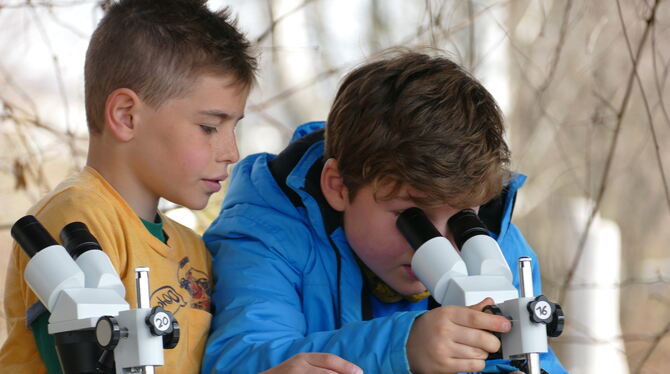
(170, 340)
(541, 310)
(555, 327)
(108, 332)
(495, 310)
(159, 321)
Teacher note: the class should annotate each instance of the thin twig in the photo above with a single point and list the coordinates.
(59, 80)
(553, 65)
(275, 22)
(43, 4)
(295, 89)
(650, 119)
(657, 78)
(655, 343)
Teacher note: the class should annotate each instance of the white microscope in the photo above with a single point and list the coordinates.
(480, 271)
(94, 328)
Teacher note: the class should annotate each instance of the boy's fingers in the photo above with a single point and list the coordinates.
(332, 362)
(480, 305)
(467, 365)
(464, 351)
(479, 341)
(482, 321)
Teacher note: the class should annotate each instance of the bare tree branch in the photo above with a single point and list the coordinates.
(650, 119)
(655, 342)
(44, 4)
(275, 22)
(659, 79)
(553, 64)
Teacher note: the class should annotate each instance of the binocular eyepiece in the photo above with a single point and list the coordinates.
(33, 237)
(417, 228)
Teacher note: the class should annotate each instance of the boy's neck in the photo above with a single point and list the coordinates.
(114, 168)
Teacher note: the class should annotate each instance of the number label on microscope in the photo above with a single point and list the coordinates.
(542, 310)
(161, 321)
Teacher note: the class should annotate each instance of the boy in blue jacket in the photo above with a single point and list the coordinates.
(306, 253)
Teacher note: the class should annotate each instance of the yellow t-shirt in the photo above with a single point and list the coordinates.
(179, 270)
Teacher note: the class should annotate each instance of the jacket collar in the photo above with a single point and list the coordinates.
(297, 171)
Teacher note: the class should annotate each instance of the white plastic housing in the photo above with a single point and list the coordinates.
(435, 263)
(100, 272)
(80, 308)
(482, 256)
(470, 290)
(525, 336)
(50, 271)
(445, 273)
(140, 348)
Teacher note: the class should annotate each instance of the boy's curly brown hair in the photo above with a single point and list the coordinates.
(419, 121)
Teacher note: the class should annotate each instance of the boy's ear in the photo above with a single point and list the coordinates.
(333, 187)
(120, 109)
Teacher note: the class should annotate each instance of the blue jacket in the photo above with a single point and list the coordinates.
(286, 280)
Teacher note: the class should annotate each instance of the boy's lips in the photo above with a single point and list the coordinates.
(408, 269)
(214, 184)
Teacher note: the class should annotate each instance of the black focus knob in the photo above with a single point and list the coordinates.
(107, 332)
(555, 327)
(170, 340)
(159, 321)
(541, 310)
(495, 310)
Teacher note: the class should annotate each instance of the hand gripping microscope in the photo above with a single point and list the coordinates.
(480, 271)
(94, 328)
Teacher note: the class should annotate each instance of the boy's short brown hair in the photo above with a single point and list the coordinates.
(158, 49)
(419, 121)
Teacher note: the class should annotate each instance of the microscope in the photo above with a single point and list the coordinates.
(477, 271)
(93, 326)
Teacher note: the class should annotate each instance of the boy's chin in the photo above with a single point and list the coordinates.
(411, 289)
(193, 205)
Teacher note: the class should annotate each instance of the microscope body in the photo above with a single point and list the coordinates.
(90, 318)
(60, 283)
(479, 271)
(451, 282)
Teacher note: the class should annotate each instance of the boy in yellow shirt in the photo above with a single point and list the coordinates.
(166, 83)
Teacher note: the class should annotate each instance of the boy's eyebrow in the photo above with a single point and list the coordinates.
(222, 116)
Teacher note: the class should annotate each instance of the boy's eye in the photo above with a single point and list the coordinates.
(208, 129)
(398, 212)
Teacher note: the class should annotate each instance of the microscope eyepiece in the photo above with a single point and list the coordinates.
(31, 235)
(77, 239)
(464, 225)
(416, 227)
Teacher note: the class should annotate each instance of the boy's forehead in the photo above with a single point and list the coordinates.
(219, 96)
(403, 192)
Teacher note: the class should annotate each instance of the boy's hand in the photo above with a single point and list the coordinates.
(453, 339)
(315, 363)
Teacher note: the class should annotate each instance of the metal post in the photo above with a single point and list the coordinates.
(143, 299)
(526, 285)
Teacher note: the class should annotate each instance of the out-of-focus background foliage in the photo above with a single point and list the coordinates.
(582, 85)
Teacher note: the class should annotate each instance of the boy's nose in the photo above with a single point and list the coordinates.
(227, 151)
